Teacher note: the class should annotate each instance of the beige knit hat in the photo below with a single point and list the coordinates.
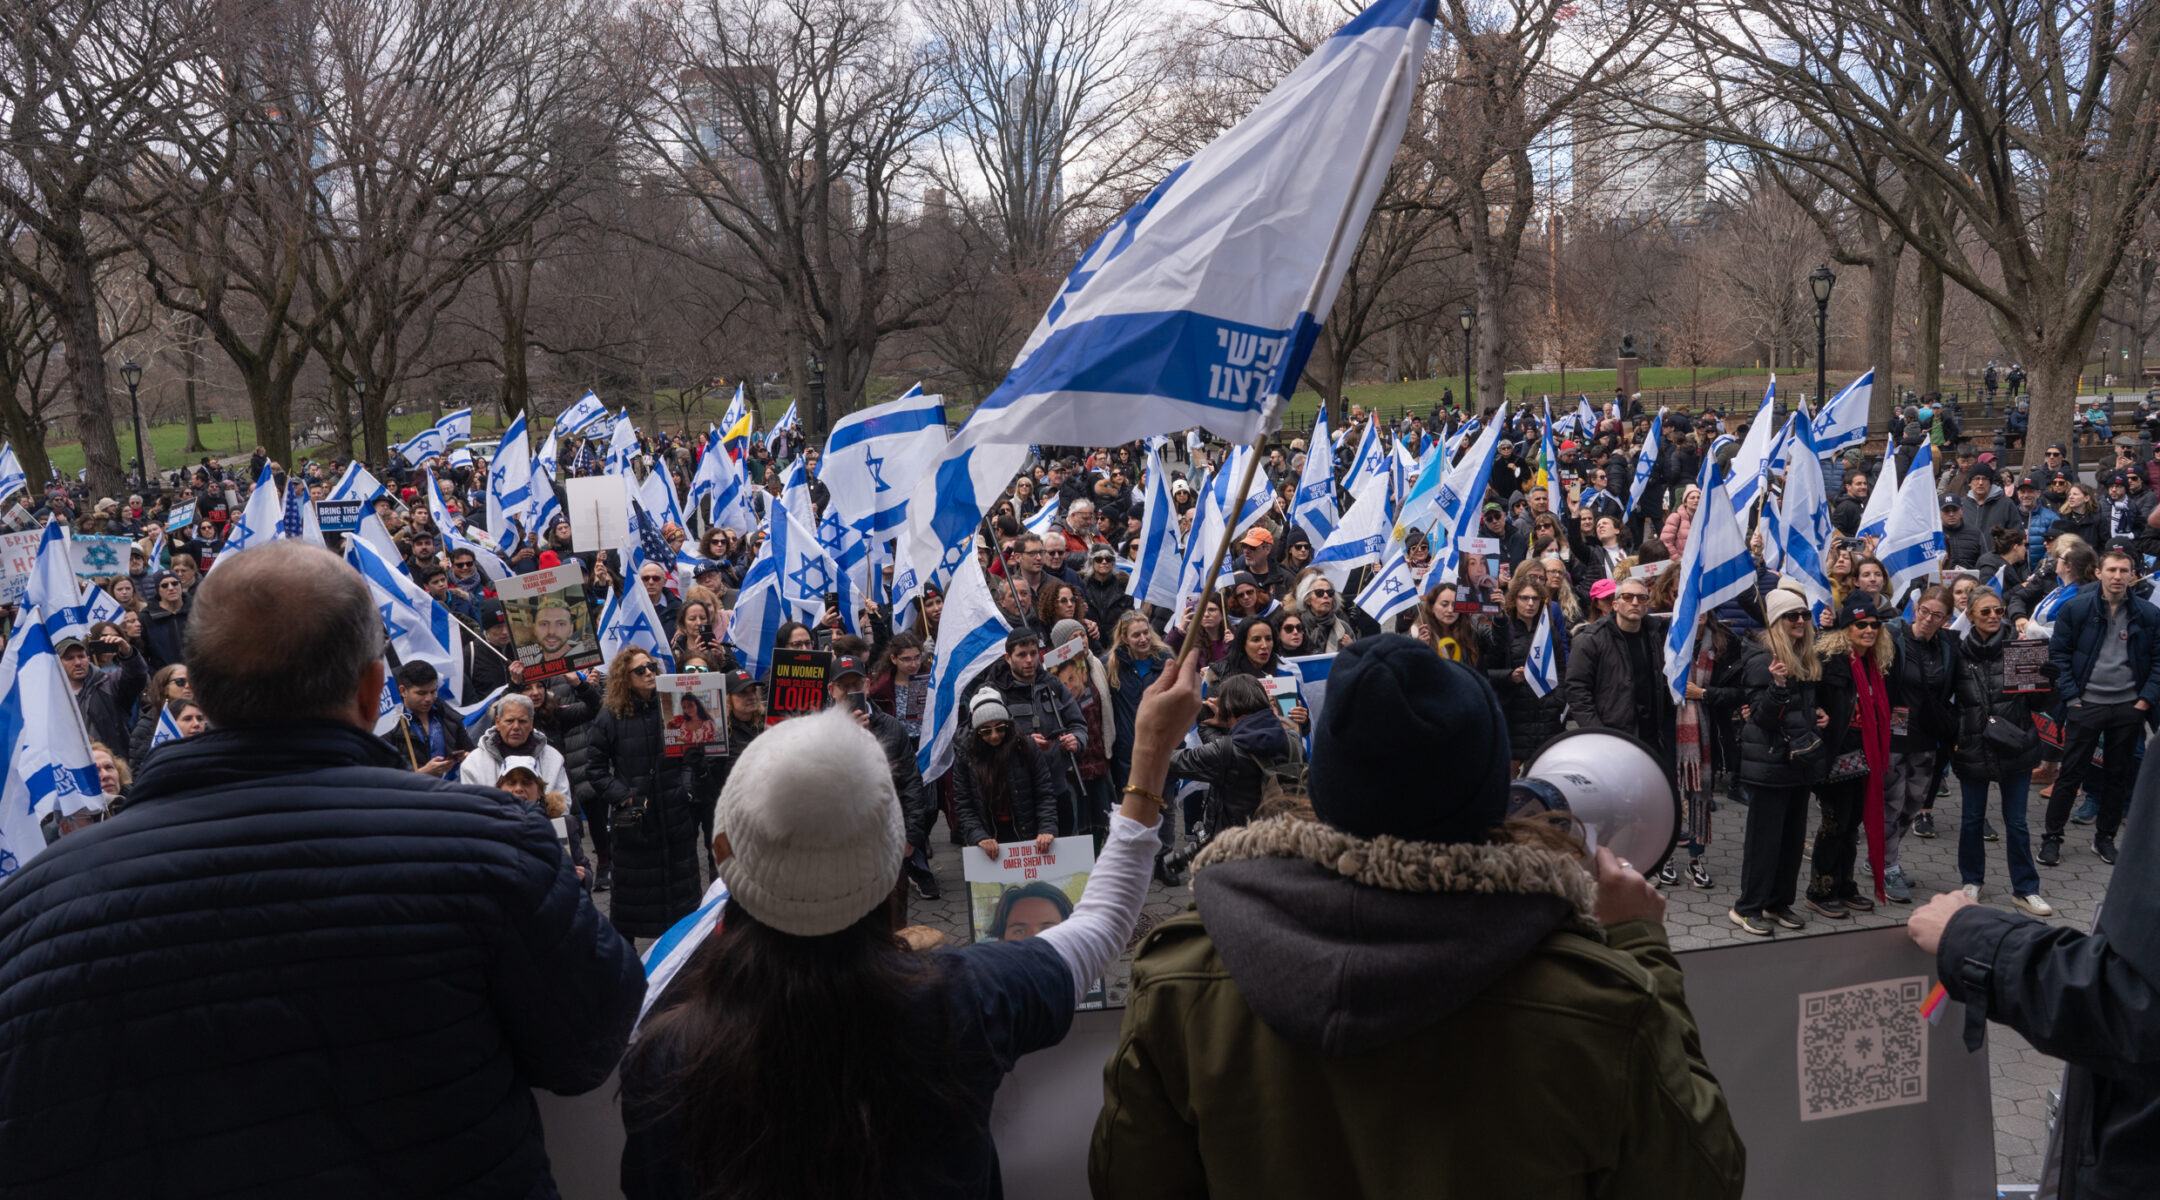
(813, 824)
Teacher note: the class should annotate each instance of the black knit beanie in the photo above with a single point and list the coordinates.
(1409, 744)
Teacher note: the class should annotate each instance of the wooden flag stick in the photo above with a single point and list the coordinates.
(1207, 584)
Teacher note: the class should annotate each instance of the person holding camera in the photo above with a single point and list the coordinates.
(1339, 966)
(104, 697)
(651, 818)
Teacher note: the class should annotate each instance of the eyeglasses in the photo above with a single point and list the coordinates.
(1864, 624)
(1633, 597)
(1292, 627)
(645, 669)
(1794, 616)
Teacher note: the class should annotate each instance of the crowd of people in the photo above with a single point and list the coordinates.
(1179, 741)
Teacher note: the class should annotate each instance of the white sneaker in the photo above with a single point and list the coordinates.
(2034, 905)
(1972, 891)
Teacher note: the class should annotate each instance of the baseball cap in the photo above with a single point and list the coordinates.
(739, 682)
(1259, 537)
(845, 666)
(1948, 502)
(1603, 589)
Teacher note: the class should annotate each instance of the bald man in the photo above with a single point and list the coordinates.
(291, 966)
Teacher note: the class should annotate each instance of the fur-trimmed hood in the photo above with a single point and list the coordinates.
(1344, 944)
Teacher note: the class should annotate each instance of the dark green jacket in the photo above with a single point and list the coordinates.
(1348, 1018)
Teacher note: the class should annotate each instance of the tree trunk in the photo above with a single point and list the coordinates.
(27, 435)
(273, 418)
(191, 360)
(86, 369)
(1882, 328)
(341, 415)
(1927, 353)
(1493, 284)
(2051, 373)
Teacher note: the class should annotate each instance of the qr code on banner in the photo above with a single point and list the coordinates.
(1863, 1047)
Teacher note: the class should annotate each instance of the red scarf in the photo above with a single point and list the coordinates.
(1871, 711)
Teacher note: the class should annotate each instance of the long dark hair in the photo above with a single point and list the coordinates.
(1236, 662)
(993, 764)
(805, 1062)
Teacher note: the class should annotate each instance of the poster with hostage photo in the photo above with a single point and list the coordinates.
(550, 624)
(692, 713)
(1026, 890)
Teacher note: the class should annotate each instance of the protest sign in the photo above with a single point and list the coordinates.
(550, 623)
(340, 516)
(2025, 662)
(1024, 891)
(599, 514)
(798, 683)
(99, 555)
(18, 554)
(692, 713)
(1312, 672)
(19, 517)
(1058, 657)
(179, 517)
(1283, 690)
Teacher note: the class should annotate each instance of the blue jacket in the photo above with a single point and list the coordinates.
(291, 966)
(2076, 644)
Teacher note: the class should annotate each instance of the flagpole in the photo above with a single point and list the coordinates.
(1207, 583)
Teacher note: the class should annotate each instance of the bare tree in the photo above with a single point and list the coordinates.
(29, 343)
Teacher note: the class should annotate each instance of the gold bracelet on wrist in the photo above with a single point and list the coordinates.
(1143, 793)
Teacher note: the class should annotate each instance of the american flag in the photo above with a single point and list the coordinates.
(293, 524)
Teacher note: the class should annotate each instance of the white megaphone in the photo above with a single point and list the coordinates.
(1610, 782)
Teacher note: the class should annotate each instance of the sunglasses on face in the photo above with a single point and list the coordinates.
(1320, 592)
(1633, 597)
(996, 728)
(1867, 624)
(1794, 616)
(645, 669)
(1293, 627)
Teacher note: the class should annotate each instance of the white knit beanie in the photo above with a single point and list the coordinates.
(813, 825)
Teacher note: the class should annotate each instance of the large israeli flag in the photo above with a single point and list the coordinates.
(629, 619)
(971, 636)
(873, 458)
(1912, 544)
(1154, 578)
(1646, 461)
(48, 748)
(1875, 516)
(1363, 535)
(1804, 520)
(1391, 590)
(1313, 507)
(1843, 422)
(787, 581)
(510, 488)
(1199, 306)
(720, 479)
(1751, 462)
(587, 413)
(12, 477)
(425, 444)
(453, 534)
(356, 484)
(657, 494)
(53, 591)
(1541, 668)
(416, 626)
(455, 426)
(260, 521)
(1715, 568)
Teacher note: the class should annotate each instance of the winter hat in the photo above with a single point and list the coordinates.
(1780, 601)
(813, 825)
(987, 706)
(1388, 696)
(1065, 631)
(1857, 606)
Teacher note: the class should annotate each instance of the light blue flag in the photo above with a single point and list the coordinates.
(1715, 567)
(1541, 666)
(1804, 520)
(628, 619)
(1391, 590)
(1446, 495)
(49, 768)
(587, 414)
(1313, 508)
(1200, 305)
(1912, 543)
(1154, 578)
(1844, 421)
(1646, 461)
(455, 426)
(971, 636)
(12, 477)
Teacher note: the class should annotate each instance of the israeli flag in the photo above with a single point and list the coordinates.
(1363, 536)
(510, 488)
(1200, 305)
(418, 628)
(1391, 590)
(787, 581)
(1045, 518)
(356, 484)
(1555, 492)
(1154, 579)
(1715, 568)
(667, 956)
(1875, 517)
(1368, 460)
(1585, 418)
(460, 457)
(735, 425)
(628, 619)
(795, 490)
(48, 749)
(1844, 421)
(99, 606)
(167, 730)
(12, 477)
(720, 479)
(657, 494)
(587, 413)
(1751, 463)
(455, 426)
(260, 522)
(1646, 462)
(787, 424)
(546, 461)
(1455, 505)
(622, 448)
(1313, 508)
(425, 444)
(873, 458)
(971, 636)
(1912, 544)
(53, 591)
(453, 537)
(1804, 520)
(1541, 669)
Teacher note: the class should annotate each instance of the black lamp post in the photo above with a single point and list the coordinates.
(359, 387)
(131, 371)
(817, 400)
(1467, 318)
(1821, 281)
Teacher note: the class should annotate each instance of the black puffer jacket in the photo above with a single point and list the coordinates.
(1922, 678)
(1980, 702)
(1778, 713)
(917, 811)
(164, 634)
(108, 695)
(1031, 792)
(323, 974)
(1235, 764)
(1532, 720)
(656, 860)
(569, 728)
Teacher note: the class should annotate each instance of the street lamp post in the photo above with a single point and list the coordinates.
(1467, 318)
(1821, 281)
(817, 398)
(359, 387)
(131, 371)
